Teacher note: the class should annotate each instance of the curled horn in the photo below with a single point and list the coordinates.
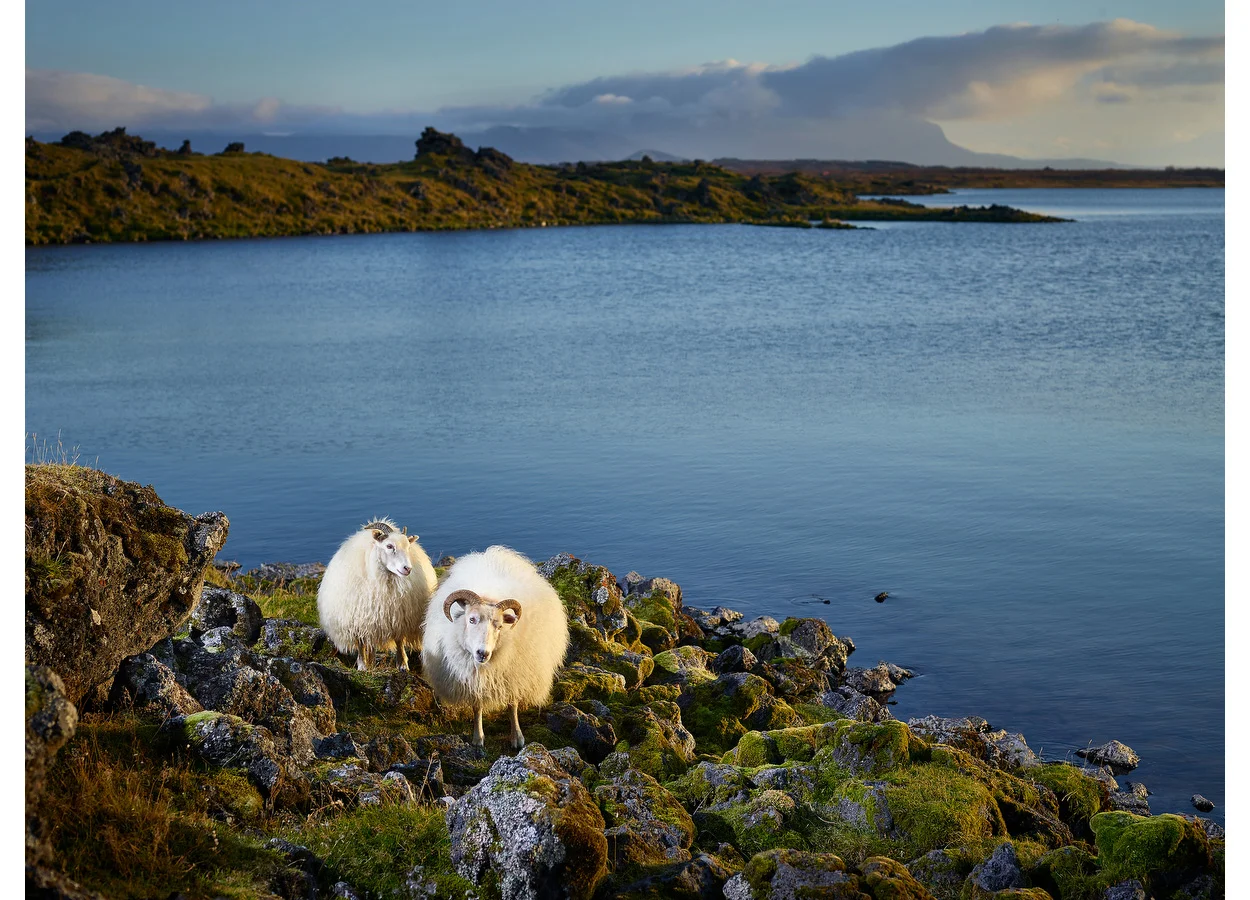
(509, 604)
(464, 596)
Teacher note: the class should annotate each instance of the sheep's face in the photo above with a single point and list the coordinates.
(391, 551)
(483, 623)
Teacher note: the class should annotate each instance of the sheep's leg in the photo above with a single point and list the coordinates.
(402, 655)
(516, 738)
(479, 736)
(364, 658)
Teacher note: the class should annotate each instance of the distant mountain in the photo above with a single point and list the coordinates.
(656, 156)
(865, 137)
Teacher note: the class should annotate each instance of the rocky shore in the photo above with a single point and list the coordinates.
(190, 732)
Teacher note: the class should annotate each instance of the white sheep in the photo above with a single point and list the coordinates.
(495, 634)
(374, 593)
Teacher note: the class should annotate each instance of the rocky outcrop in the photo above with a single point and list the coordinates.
(110, 570)
(1119, 756)
(50, 721)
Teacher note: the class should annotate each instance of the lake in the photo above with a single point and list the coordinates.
(1015, 430)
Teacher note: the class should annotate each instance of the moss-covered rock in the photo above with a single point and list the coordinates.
(711, 785)
(1162, 851)
(578, 681)
(719, 712)
(593, 737)
(591, 648)
(656, 741)
(790, 875)
(533, 826)
(50, 721)
(682, 666)
(646, 825)
(110, 570)
(1068, 873)
(888, 879)
(228, 742)
(1079, 796)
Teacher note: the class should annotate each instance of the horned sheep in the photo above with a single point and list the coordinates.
(495, 634)
(374, 593)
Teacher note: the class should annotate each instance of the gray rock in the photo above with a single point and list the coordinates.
(1000, 871)
(534, 826)
(897, 673)
(286, 637)
(712, 621)
(793, 875)
(595, 739)
(425, 776)
(939, 871)
(736, 659)
(340, 745)
(298, 881)
(1133, 801)
(307, 688)
(1125, 890)
(1214, 830)
(351, 784)
(875, 681)
(1113, 753)
(1201, 803)
(218, 607)
(754, 628)
(785, 778)
(568, 759)
(283, 572)
(857, 813)
(144, 682)
(851, 703)
(1010, 750)
(228, 742)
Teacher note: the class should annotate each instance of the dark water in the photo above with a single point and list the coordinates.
(1017, 431)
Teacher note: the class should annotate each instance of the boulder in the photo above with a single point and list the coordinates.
(110, 570)
(144, 682)
(646, 825)
(228, 742)
(1119, 756)
(1000, 872)
(657, 742)
(1201, 803)
(854, 705)
(534, 826)
(218, 607)
(594, 738)
(1163, 852)
(791, 875)
(734, 659)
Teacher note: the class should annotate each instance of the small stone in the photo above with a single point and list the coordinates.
(1201, 803)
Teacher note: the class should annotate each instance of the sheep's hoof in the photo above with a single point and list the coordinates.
(403, 668)
(517, 741)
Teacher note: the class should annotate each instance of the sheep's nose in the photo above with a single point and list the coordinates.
(483, 655)
(405, 570)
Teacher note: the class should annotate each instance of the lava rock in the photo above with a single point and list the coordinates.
(110, 569)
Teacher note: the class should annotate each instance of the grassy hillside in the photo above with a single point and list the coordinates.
(883, 177)
(118, 187)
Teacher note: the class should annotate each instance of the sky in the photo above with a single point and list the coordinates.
(1135, 82)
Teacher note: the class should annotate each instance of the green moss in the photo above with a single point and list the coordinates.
(755, 643)
(1157, 849)
(582, 682)
(878, 748)
(753, 749)
(374, 848)
(1068, 873)
(816, 714)
(1080, 796)
(888, 879)
(936, 807)
(719, 712)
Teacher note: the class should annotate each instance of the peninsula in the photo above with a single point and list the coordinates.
(119, 187)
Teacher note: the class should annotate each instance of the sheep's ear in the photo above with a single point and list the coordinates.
(412, 538)
(379, 535)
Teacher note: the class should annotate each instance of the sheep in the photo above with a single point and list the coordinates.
(495, 634)
(374, 593)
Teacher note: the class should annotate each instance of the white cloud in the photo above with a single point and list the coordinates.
(978, 83)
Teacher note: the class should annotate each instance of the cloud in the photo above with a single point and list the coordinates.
(729, 107)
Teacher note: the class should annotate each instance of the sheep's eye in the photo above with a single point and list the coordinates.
(472, 620)
(390, 546)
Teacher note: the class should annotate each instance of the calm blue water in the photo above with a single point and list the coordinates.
(1017, 431)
